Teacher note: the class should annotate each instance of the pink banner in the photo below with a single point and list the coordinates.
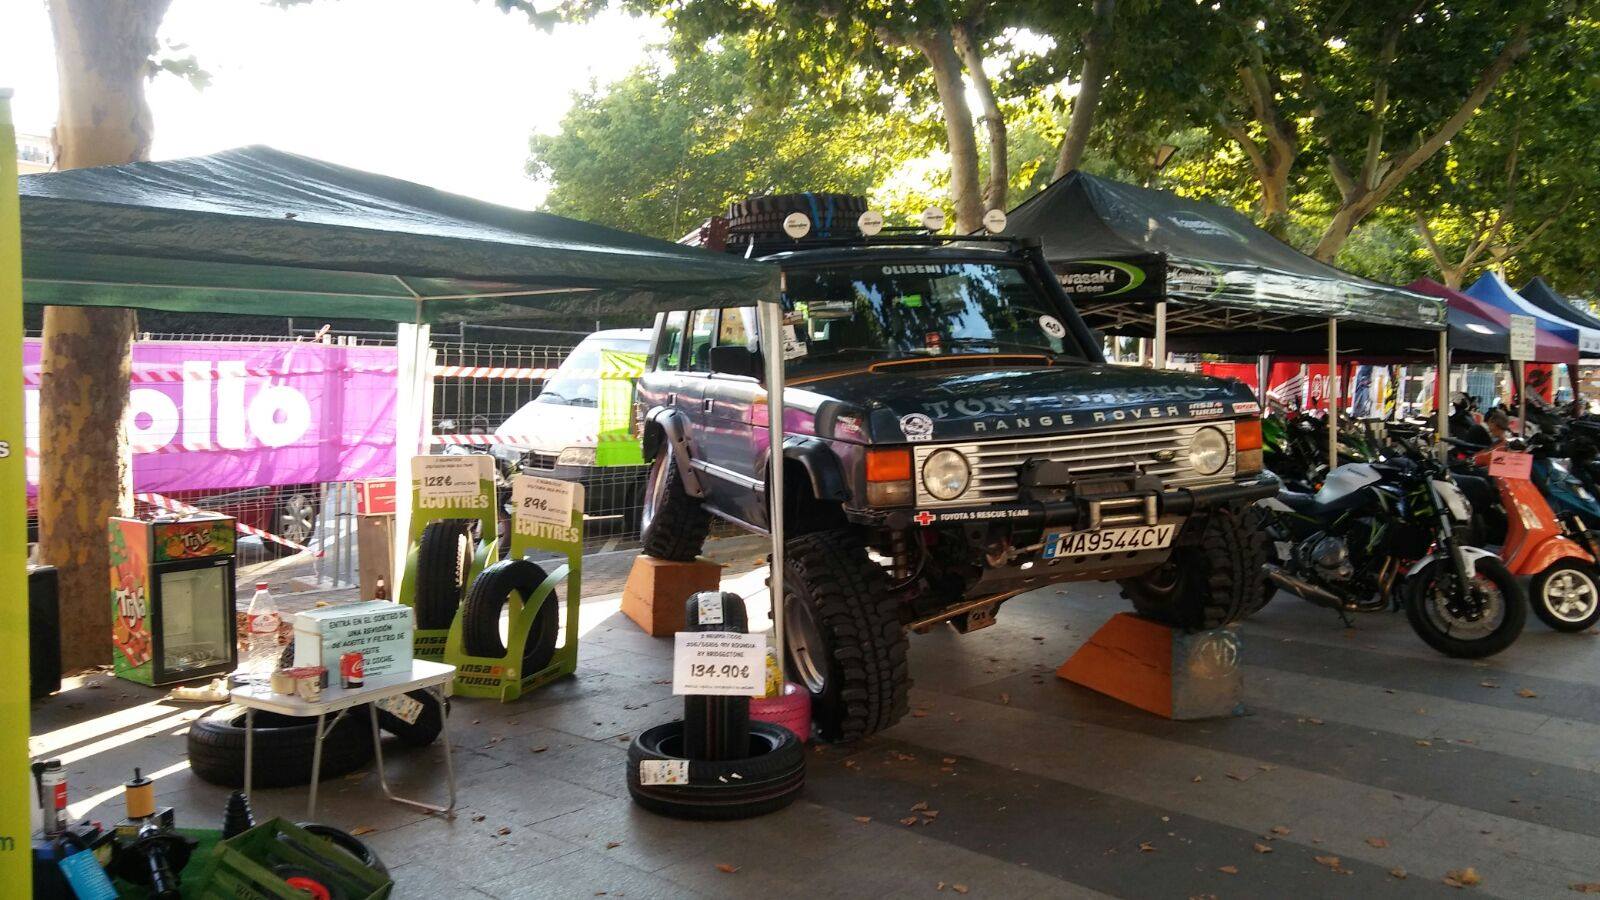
(206, 415)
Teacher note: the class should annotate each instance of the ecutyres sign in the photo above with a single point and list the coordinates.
(1142, 277)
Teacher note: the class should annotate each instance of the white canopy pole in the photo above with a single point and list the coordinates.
(1441, 384)
(1159, 351)
(1333, 393)
(772, 355)
(411, 419)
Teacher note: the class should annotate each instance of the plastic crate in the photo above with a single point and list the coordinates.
(242, 866)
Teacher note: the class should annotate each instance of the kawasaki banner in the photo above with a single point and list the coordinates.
(618, 445)
(1137, 278)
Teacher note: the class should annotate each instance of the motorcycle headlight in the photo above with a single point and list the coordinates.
(576, 456)
(946, 474)
(1208, 451)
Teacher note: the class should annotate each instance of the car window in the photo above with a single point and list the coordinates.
(737, 328)
(700, 330)
(671, 347)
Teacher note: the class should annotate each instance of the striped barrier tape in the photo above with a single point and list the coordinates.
(167, 503)
(486, 440)
(506, 372)
(32, 375)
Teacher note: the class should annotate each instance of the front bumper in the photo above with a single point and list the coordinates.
(1083, 512)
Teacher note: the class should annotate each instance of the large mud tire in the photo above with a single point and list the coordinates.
(1210, 581)
(444, 560)
(672, 524)
(845, 639)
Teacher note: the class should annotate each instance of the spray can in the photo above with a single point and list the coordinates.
(53, 796)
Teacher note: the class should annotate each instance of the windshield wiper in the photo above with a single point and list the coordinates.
(1030, 349)
(552, 395)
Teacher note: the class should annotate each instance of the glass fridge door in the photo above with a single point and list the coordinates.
(194, 624)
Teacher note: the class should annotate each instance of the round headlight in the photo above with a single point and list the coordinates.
(1208, 451)
(946, 474)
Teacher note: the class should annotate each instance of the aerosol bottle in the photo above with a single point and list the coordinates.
(261, 647)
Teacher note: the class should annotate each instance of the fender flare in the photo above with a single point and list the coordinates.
(665, 426)
(821, 466)
(1473, 554)
(1553, 550)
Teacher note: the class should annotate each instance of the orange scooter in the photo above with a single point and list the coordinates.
(1565, 592)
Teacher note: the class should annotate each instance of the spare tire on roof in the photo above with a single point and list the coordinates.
(831, 215)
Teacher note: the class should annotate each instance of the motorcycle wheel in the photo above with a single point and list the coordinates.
(1442, 624)
(1566, 596)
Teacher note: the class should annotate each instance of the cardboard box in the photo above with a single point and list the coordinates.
(378, 628)
(658, 588)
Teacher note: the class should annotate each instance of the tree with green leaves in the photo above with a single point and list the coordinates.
(670, 145)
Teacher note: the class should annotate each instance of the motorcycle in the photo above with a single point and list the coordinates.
(1382, 535)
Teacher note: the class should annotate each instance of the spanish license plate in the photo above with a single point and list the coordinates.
(1108, 540)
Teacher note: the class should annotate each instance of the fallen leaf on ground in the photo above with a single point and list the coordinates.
(362, 829)
(919, 806)
(540, 749)
(479, 817)
(919, 714)
(1525, 692)
(1378, 842)
(1424, 743)
(1005, 698)
(1331, 862)
(612, 845)
(727, 868)
(1462, 878)
(1197, 779)
(908, 821)
(939, 886)
(1260, 847)
(863, 819)
(959, 888)
(1146, 847)
(1397, 872)
(504, 830)
(1228, 870)
(1280, 829)
(1488, 684)
(1314, 721)
(1586, 887)
(1235, 776)
(930, 813)
(1266, 767)
(949, 760)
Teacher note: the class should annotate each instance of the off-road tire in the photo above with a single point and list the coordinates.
(866, 677)
(480, 617)
(444, 560)
(765, 781)
(677, 528)
(1210, 581)
(832, 215)
(282, 747)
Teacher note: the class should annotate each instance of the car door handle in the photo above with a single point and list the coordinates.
(705, 405)
(672, 399)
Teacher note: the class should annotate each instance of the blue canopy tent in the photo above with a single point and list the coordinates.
(1493, 289)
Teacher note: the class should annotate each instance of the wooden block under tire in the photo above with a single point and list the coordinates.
(657, 589)
(1161, 670)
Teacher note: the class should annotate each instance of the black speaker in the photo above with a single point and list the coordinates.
(44, 632)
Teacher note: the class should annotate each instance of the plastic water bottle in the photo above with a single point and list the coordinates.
(261, 644)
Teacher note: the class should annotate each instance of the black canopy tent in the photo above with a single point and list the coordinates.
(1541, 294)
(260, 231)
(1197, 276)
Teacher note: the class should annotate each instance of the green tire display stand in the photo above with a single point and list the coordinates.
(442, 488)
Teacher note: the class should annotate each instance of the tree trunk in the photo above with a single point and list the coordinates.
(1091, 78)
(939, 48)
(103, 55)
(994, 120)
(1338, 231)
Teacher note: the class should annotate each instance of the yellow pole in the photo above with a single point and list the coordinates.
(16, 864)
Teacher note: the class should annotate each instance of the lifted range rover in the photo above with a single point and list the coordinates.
(953, 439)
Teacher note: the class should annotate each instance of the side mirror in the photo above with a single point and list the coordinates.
(734, 360)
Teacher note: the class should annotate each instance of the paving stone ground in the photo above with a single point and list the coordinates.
(1363, 754)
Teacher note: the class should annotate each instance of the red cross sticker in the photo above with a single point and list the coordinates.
(923, 518)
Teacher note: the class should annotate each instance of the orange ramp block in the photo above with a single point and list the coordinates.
(657, 589)
(1161, 670)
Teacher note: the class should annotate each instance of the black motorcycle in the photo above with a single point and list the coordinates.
(1383, 535)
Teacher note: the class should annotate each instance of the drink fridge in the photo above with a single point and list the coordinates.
(172, 598)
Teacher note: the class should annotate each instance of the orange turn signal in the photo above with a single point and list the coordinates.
(889, 465)
(1247, 434)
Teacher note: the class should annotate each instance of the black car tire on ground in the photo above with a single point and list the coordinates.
(846, 643)
(1209, 582)
(425, 730)
(766, 781)
(1581, 582)
(672, 525)
(1489, 569)
(444, 559)
(480, 618)
(282, 747)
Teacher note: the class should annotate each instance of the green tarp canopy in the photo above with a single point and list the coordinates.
(1118, 248)
(259, 231)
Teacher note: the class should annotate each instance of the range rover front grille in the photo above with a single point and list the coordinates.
(995, 461)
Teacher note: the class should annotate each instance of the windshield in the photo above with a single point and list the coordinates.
(898, 310)
(577, 381)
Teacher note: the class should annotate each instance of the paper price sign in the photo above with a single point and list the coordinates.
(542, 501)
(1510, 464)
(724, 663)
(451, 477)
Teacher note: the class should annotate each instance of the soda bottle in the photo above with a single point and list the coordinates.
(261, 642)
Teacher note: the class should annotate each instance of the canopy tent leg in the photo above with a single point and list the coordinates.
(1333, 393)
(1441, 384)
(1263, 380)
(410, 432)
(772, 356)
(1159, 350)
